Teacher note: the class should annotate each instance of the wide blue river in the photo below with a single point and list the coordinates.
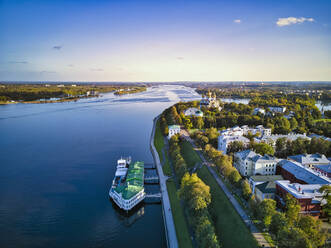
(57, 162)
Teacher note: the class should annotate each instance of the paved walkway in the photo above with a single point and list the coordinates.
(254, 230)
(166, 207)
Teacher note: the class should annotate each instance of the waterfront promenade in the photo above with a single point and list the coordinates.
(166, 207)
(254, 230)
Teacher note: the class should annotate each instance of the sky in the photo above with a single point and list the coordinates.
(163, 41)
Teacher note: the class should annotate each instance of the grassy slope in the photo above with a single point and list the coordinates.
(230, 229)
(190, 156)
(183, 235)
(159, 145)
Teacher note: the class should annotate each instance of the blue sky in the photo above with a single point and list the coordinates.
(124, 40)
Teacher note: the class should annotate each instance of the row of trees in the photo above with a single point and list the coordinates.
(289, 229)
(286, 147)
(178, 161)
(196, 195)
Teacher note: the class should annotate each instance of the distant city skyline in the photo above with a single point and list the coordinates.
(163, 41)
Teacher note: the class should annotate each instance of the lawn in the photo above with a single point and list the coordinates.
(190, 156)
(182, 232)
(229, 227)
(159, 145)
(226, 220)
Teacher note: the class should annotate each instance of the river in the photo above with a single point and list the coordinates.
(57, 161)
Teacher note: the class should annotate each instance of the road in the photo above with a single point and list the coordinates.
(166, 207)
(254, 230)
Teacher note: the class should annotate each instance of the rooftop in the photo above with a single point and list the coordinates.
(267, 187)
(134, 182)
(270, 178)
(310, 158)
(324, 167)
(302, 191)
(305, 174)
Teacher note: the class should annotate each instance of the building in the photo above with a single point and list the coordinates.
(266, 190)
(173, 129)
(210, 101)
(237, 134)
(225, 140)
(325, 170)
(193, 112)
(307, 195)
(297, 173)
(248, 163)
(259, 111)
(277, 109)
(256, 180)
(310, 160)
(271, 139)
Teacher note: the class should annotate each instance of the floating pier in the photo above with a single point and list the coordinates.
(153, 198)
(151, 180)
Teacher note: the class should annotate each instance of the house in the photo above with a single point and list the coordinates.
(259, 111)
(173, 129)
(277, 109)
(248, 163)
(193, 112)
(310, 160)
(298, 173)
(60, 85)
(256, 180)
(307, 195)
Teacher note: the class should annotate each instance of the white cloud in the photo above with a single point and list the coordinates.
(237, 21)
(292, 20)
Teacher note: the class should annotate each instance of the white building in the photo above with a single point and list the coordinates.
(248, 163)
(237, 134)
(271, 139)
(193, 112)
(173, 129)
(225, 140)
(277, 109)
(258, 110)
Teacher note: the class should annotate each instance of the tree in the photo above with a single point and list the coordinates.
(263, 148)
(312, 228)
(266, 210)
(246, 189)
(293, 123)
(326, 190)
(195, 192)
(292, 238)
(278, 221)
(198, 122)
(235, 146)
(292, 209)
(282, 125)
(234, 176)
(205, 233)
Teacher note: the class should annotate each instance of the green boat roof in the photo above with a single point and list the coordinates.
(134, 182)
